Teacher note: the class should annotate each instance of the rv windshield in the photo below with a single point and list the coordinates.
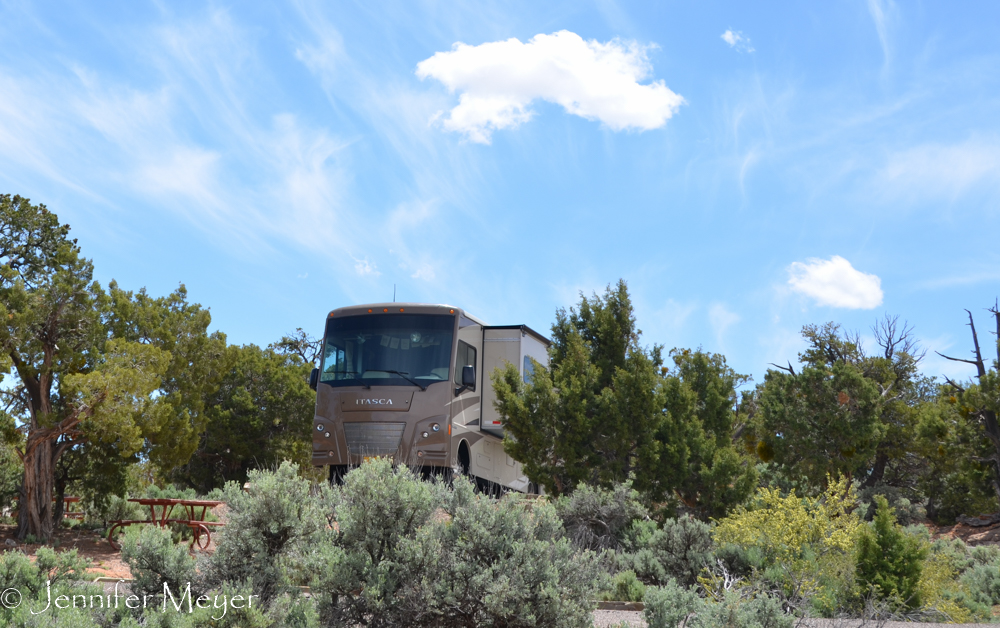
(380, 349)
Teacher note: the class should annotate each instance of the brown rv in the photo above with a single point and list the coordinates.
(412, 381)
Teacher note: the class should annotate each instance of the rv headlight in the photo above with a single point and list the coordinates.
(435, 427)
(425, 434)
(320, 427)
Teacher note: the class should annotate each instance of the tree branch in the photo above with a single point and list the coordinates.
(953, 384)
(946, 357)
(784, 368)
(975, 341)
(996, 314)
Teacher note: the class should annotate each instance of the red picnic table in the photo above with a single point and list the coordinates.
(195, 518)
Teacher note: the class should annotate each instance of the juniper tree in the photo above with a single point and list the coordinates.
(845, 411)
(260, 414)
(83, 372)
(607, 407)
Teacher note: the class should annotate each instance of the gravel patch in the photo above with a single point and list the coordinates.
(604, 619)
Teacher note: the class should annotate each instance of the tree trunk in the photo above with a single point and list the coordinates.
(58, 505)
(35, 509)
(878, 470)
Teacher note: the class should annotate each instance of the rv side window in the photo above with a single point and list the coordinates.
(466, 357)
(528, 371)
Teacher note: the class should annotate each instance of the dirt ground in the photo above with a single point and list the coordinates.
(985, 535)
(105, 561)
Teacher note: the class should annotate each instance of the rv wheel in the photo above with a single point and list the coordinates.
(337, 473)
(464, 458)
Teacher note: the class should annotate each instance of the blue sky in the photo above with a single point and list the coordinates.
(746, 168)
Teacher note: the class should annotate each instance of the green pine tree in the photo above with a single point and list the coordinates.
(889, 560)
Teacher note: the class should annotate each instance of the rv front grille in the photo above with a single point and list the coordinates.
(373, 439)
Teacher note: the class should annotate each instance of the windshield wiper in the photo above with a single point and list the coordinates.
(401, 374)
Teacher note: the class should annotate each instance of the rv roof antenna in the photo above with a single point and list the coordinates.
(393, 293)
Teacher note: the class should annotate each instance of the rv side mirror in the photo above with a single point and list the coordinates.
(468, 379)
(314, 378)
(469, 376)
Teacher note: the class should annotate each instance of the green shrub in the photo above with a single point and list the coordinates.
(600, 518)
(370, 567)
(678, 550)
(155, 560)
(739, 561)
(503, 563)
(113, 508)
(906, 511)
(983, 583)
(18, 571)
(889, 561)
(169, 491)
(944, 595)
(406, 552)
(271, 534)
(284, 611)
(734, 611)
(955, 552)
(60, 571)
(985, 554)
(668, 605)
(625, 587)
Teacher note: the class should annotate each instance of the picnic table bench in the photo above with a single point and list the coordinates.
(195, 519)
(68, 511)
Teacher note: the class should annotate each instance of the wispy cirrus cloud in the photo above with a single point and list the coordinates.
(186, 140)
(721, 319)
(835, 283)
(881, 11)
(941, 171)
(498, 81)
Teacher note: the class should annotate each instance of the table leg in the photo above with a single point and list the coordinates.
(202, 537)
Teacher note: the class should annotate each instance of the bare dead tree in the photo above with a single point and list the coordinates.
(895, 338)
(301, 344)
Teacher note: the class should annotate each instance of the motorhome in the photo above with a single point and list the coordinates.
(411, 381)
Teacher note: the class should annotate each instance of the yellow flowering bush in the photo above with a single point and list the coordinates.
(940, 589)
(804, 546)
(784, 528)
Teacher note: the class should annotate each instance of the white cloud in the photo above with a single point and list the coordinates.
(836, 283)
(737, 40)
(364, 267)
(499, 80)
